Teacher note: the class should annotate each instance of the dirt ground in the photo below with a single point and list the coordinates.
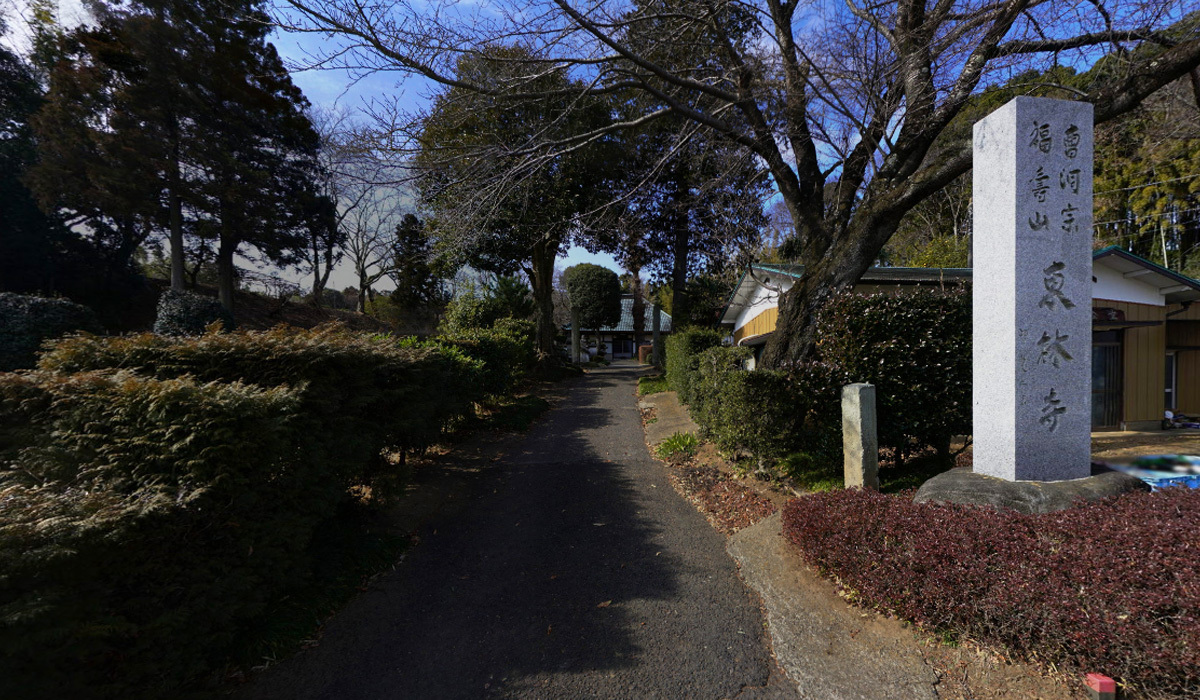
(1121, 446)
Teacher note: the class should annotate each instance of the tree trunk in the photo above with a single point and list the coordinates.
(680, 304)
(226, 272)
(576, 337)
(174, 187)
(320, 279)
(824, 277)
(639, 310)
(176, 235)
(544, 253)
(364, 291)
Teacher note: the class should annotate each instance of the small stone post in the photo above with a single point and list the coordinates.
(1032, 319)
(657, 354)
(860, 442)
(575, 336)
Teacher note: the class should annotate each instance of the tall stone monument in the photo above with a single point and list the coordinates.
(1032, 314)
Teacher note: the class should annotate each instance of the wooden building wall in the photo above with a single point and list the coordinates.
(1144, 353)
(1183, 335)
(762, 323)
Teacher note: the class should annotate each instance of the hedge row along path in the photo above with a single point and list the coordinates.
(577, 572)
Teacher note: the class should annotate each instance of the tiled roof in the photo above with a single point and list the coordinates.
(625, 325)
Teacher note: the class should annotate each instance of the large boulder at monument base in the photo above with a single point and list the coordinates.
(966, 487)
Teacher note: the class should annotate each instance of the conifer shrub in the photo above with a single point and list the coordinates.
(504, 359)
(360, 393)
(683, 350)
(471, 309)
(157, 493)
(189, 313)
(28, 321)
(144, 524)
(523, 330)
(1109, 587)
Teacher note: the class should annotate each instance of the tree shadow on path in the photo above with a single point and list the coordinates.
(563, 578)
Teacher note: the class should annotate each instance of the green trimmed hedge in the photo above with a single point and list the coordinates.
(916, 349)
(766, 413)
(683, 349)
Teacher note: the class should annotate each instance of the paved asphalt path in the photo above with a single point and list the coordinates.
(577, 572)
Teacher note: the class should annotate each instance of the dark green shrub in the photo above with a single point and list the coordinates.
(683, 349)
(766, 413)
(916, 349)
(471, 310)
(189, 313)
(520, 329)
(360, 393)
(745, 410)
(595, 294)
(143, 525)
(26, 322)
(816, 391)
(505, 358)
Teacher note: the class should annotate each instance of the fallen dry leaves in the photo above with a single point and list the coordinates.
(728, 505)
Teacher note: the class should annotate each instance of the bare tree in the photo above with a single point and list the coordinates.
(326, 244)
(853, 107)
(370, 199)
(370, 242)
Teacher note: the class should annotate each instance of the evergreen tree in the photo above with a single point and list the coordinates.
(35, 248)
(416, 284)
(595, 294)
(172, 117)
(695, 200)
(514, 295)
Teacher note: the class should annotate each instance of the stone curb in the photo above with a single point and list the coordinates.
(830, 650)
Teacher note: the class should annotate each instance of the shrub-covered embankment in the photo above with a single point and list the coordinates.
(158, 494)
(1110, 587)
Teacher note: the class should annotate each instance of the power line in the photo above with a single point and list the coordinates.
(1139, 217)
(1148, 184)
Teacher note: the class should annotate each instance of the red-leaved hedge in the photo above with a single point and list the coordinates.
(1112, 587)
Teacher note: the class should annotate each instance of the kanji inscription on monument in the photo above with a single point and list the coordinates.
(1032, 291)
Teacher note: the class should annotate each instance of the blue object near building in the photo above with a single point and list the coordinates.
(1164, 471)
